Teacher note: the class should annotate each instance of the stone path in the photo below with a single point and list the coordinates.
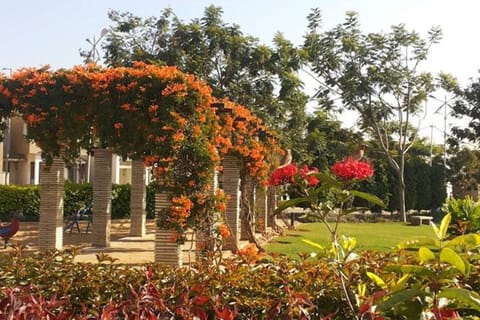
(124, 248)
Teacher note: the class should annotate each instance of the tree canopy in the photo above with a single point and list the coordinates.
(235, 65)
(376, 75)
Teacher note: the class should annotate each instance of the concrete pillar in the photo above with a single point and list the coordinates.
(36, 179)
(138, 194)
(167, 251)
(50, 227)
(261, 207)
(231, 186)
(102, 198)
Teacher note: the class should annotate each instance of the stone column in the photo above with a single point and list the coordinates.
(102, 198)
(50, 227)
(167, 251)
(231, 186)
(261, 207)
(138, 194)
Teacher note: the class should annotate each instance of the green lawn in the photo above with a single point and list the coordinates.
(377, 236)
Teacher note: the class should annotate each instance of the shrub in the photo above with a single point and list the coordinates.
(465, 214)
(120, 201)
(75, 197)
(270, 289)
(26, 198)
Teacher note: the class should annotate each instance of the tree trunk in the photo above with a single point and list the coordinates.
(247, 211)
(401, 188)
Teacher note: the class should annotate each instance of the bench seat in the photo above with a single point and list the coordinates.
(418, 220)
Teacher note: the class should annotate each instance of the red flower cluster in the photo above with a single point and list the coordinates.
(283, 175)
(306, 173)
(350, 169)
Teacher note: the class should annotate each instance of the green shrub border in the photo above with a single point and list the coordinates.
(27, 198)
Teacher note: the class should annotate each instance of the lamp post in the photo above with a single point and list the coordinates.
(7, 143)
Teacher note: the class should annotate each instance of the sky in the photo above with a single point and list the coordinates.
(51, 32)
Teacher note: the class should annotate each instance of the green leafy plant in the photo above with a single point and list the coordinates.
(465, 214)
(433, 285)
(329, 197)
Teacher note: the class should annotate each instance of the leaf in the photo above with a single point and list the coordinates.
(369, 197)
(444, 225)
(471, 240)
(416, 242)
(288, 204)
(378, 281)
(436, 230)
(401, 282)
(449, 256)
(411, 269)
(313, 244)
(398, 298)
(470, 298)
(425, 254)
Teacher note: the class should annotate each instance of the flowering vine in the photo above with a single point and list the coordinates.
(157, 114)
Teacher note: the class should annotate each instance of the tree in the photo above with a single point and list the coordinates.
(464, 170)
(325, 141)
(376, 75)
(233, 64)
(467, 104)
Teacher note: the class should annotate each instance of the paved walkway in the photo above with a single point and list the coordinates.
(125, 248)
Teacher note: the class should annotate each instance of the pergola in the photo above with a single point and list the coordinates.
(158, 117)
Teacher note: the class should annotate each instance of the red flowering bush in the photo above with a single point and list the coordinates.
(350, 169)
(283, 175)
(307, 174)
(330, 199)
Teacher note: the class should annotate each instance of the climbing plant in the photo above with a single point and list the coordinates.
(157, 114)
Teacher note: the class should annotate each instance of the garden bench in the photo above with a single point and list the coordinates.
(84, 213)
(418, 220)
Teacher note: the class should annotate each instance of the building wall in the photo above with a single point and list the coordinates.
(25, 158)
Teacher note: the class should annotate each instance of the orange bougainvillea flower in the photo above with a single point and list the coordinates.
(224, 231)
(250, 253)
(149, 101)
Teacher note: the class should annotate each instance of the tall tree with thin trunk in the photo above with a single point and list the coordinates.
(378, 75)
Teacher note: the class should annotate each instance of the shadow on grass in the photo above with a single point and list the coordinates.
(282, 242)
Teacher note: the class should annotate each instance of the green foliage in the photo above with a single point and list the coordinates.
(387, 284)
(440, 271)
(326, 141)
(464, 171)
(378, 76)
(467, 104)
(234, 64)
(75, 197)
(121, 201)
(26, 198)
(465, 214)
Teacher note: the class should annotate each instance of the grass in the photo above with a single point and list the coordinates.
(376, 236)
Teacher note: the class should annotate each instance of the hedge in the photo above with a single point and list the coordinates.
(27, 198)
(51, 286)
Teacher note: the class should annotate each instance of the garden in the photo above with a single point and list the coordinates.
(228, 168)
